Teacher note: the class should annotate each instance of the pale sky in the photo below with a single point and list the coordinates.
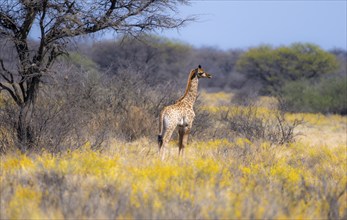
(243, 24)
(240, 24)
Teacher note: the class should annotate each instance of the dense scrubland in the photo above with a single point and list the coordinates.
(232, 177)
(262, 146)
(116, 89)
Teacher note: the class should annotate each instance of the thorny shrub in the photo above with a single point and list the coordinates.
(254, 124)
(89, 106)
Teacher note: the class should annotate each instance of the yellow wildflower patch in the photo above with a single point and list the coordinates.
(222, 178)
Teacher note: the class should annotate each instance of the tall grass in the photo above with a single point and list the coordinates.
(215, 179)
(225, 173)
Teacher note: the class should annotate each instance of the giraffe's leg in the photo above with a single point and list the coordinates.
(166, 138)
(183, 140)
(180, 139)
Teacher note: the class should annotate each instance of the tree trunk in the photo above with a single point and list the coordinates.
(25, 127)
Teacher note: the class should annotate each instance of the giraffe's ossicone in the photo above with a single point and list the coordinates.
(180, 114)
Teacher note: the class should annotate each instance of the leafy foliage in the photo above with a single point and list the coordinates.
(328, 95)
(275, 66)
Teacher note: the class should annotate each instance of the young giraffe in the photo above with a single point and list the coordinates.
(180, 114)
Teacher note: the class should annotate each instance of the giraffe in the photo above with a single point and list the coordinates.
(180, 114)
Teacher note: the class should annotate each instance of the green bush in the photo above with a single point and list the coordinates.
(328, 95)
(273, 67)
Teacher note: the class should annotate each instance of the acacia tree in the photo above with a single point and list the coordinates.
(276, 66)
(58, 21)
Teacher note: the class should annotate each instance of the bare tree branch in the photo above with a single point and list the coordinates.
(4, 70)
(12, 94)
(7, 22)
(58, 21)
(28, 21)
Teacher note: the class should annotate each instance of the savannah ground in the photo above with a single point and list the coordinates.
(217, 179)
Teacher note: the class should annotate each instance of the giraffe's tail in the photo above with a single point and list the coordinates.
(160, 136)
(160, 140)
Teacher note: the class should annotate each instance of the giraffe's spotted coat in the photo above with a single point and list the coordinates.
(181, 113)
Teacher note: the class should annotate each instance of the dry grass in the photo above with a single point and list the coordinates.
(216, 99)
(322, 130)
(216, 179)
(316, 129)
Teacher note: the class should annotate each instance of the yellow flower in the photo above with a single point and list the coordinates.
(25, 204)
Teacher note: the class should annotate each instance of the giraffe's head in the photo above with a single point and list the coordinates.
(200, 73)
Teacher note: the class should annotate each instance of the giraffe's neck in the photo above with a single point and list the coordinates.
(191, 92)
